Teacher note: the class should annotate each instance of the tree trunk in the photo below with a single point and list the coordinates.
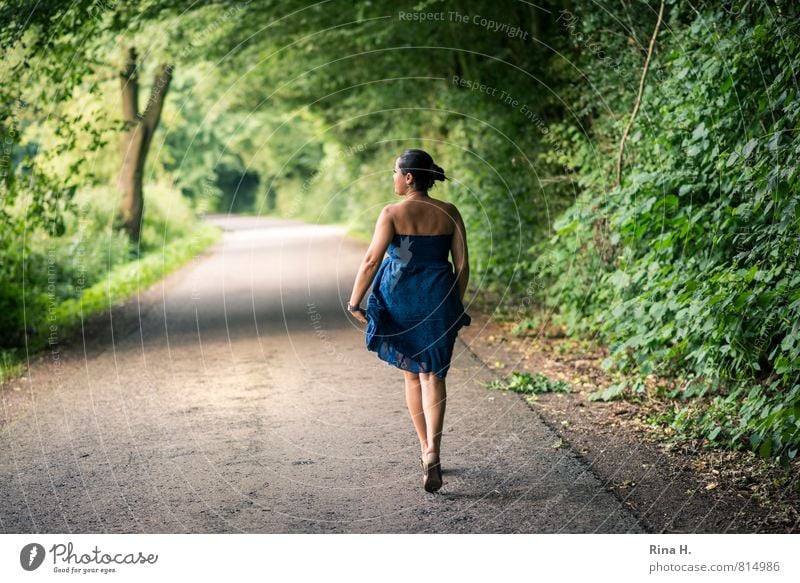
(136, 138)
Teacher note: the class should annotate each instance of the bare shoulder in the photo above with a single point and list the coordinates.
(393, 209)
(390, 210)
(388, 214)
(452, 210)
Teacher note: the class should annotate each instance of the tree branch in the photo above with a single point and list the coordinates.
(129, 80)
(155, 104)
(639, 96)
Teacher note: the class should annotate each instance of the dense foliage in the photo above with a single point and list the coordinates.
(690, 267)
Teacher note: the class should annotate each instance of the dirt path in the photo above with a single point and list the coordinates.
(672, 486)
(237, 396)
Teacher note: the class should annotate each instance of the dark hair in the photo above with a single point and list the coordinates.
(421, 165)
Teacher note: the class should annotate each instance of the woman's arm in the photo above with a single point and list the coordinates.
(460, 254)
(384, 231)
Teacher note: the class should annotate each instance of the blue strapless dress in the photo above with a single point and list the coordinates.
(414, 312)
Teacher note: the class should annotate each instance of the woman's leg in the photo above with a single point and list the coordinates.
(414, 402)
(434, 401)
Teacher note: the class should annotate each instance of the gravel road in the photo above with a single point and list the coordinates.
(238, 396)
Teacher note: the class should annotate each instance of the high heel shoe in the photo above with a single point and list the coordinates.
(432, 478)
(422, 464)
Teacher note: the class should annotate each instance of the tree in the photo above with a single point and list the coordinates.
(136, 138)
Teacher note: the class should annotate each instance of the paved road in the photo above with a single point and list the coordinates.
(244, 400)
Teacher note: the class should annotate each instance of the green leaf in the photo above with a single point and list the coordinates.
(700, 131)
(748, 148)
(620, 279)
(766, 448)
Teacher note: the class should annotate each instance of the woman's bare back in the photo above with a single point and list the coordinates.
(424, 217)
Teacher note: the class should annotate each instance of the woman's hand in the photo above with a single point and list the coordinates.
(357, 311)
(360, 315)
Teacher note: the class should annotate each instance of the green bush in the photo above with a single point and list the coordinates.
(88, 263)
(691, 265)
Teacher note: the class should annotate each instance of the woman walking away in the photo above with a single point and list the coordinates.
(416, 306)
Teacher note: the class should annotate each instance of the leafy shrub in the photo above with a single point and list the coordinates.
(691, 265)
(525, 383)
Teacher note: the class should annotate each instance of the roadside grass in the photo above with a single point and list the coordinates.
(122, 282)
